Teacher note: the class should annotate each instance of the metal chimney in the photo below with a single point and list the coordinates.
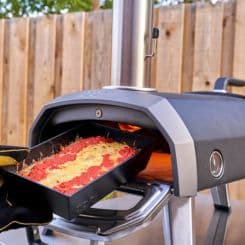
(132, 43)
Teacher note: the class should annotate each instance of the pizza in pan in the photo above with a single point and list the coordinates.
(78, 163)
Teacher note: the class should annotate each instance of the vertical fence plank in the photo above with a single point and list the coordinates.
(169, 54)
(58, 56)
(188, 47)
(42, 62)
(15, 81)
(228, 38)
(1, 73)
(208, 45)
(87, 75)
(30, 77)
(97, 53)
(239, 47)
(72, 52)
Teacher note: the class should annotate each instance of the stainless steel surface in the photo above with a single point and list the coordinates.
(178, 221)
(185, 152)
(153, 234)
(220, 196)
(166, 225)
(96, 243)
(131, 42)
(130, 88)
(133, 222)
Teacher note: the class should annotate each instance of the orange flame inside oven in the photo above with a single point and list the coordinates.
(159, 166)
(128, 127)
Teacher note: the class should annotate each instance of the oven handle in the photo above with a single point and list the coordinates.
(151, 194)
(222, 83)
(108, 223)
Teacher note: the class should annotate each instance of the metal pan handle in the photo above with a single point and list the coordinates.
(151, 194)
(222, 83)
(113, 222)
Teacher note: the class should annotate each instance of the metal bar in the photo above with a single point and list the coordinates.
(97, 242)
(131, 42)
(220, 196)
(222, 83)
(217, 228)
(178, 221)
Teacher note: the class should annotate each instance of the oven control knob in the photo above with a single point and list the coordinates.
(216, 164)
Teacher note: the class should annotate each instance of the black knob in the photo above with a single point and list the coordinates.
(155, 33)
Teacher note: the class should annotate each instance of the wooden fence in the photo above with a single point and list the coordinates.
(41, 58)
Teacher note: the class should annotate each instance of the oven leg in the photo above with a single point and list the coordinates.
(97, 242)
(220, 196)
(217, 228)
(33, 237)
(178, 221)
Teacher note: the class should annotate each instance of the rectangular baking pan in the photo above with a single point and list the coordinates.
(69, 207)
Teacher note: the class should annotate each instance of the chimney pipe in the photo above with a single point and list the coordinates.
(132, 43)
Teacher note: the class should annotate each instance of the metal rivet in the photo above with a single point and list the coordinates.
(98, 113)
(216, 164)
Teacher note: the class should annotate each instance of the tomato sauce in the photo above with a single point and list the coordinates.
(69, 153)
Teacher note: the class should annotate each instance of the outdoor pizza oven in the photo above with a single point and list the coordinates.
(195, 127)
(201, 133)
(199, 137)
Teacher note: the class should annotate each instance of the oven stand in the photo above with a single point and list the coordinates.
(220, 196)
(33, 236)
(178, 221)
(97, 243)
(216, 233)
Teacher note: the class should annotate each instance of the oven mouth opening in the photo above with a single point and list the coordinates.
(159, 167)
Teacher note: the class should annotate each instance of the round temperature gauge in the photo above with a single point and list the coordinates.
(216, 164)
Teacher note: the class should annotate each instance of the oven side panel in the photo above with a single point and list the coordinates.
(215, 124)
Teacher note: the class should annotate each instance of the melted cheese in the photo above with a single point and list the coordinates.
(87, 157)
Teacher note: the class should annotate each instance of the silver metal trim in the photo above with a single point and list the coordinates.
(131, 88)
(219, 91)
(178, 221)
(184, 146)
(97, 242)
(220, 195)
